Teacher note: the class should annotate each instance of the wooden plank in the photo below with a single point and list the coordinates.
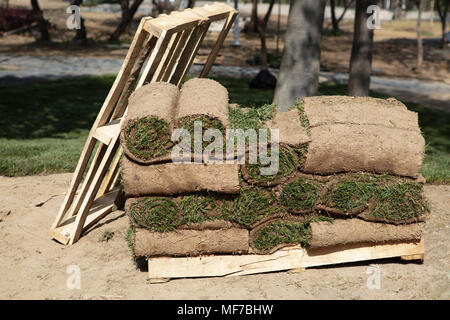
(113, 174)
(175, 22)
(216, 11)
(107, 132)
(219, 42)
(155, 58)
(100, 208)
(413, 257)
(189, 53)
(93, 189)
(133, 77)
(359, 252)
(164, 65)
(292, 258)
(223, 265)
(175, 58)
(73, 209)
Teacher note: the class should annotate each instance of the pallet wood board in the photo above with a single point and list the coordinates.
(290, 258)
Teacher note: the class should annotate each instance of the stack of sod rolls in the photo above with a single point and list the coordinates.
(349, 172)
(172, 206)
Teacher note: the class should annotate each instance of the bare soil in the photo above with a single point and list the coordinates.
(33, 266)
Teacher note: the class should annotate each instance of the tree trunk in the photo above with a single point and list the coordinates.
(334, 22)
(419, 37)
(431, 15)
(254, 17)
(191, 3)
(127, 16)
(361, 58)
(300, 67)
(397, 9)
(442, 10)
(262, 34)
(80, 35)
(43, 25)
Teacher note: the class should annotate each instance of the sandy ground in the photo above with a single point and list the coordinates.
(33, 266)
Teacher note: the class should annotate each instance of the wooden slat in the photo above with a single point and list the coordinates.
(155, 58)
(175, 22)
(285, 259)
(130, 86)
(113, 174)
(211, 266)
(175, 58)
(189, 53)
(93, 188)
(100, 208)
(215, 50)
(164, 65)
(73, 209)
(359, 252)
(107, 132)
(215, 12)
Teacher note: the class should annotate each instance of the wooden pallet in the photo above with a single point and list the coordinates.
(168, 45)
(292, 258)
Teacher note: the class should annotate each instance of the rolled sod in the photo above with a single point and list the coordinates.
(162, 214)
(300, 196)
(206, 101)
(275, 234)
(291, 129)
(390, 113)
(190, 242)
(381, 198)
(147, 129)
(177, 178)
(347, 231)
(339, 148)
(202, 98)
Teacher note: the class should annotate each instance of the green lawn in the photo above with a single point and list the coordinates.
(43, 126)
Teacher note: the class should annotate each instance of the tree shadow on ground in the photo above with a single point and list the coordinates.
(51, 108)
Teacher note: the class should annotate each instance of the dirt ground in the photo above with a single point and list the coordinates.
(34, 267)
(394, 48)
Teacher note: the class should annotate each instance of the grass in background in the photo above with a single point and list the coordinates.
(43, 125)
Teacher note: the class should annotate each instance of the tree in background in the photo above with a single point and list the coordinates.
(191, 4)
(442, 7)
(335, 22)
(43, 24)
(262, 29)
(397, 9)
(421, 5)
(81, 34)
(253, 26)
(128, 13)
(300, 66)
(361, 58)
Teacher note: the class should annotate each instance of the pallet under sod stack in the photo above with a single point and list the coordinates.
(348, 187)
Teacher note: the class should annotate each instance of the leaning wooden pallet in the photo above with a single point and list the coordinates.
(168, 45)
